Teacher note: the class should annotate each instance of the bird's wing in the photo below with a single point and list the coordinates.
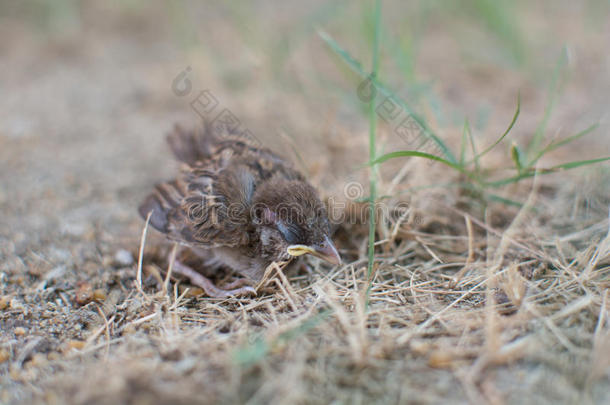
(209, 203)
(191, 145)
(213, 143)
(206, 206)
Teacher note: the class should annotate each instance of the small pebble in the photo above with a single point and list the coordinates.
(441, 359)
(75, 344)
(17, 305)
(76, 230)
(99, 295)
(420, 348)
(84, 293)
(19, 331)
(123, 258)
(52, 356)
(3, 303)
(4, 355)
(192, 292)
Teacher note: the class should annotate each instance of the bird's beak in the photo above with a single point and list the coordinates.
(326, 251)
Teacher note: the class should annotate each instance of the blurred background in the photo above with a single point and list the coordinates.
(89, 90)
(95, 78)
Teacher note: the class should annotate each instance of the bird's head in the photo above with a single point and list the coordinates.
(293, 221)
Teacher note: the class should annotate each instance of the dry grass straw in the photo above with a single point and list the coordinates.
(497, 301)
(452, 308)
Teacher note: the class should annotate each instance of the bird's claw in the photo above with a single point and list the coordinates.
(209, 287)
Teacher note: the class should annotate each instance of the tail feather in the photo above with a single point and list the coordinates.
(158, 214)
(192, 145)
(161, 204)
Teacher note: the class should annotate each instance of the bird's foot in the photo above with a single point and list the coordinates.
(237, 287)
(236, 284)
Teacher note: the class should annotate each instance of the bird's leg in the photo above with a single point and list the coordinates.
(236, 283)
(208, 286)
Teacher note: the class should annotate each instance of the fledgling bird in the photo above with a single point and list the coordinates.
(239, 206)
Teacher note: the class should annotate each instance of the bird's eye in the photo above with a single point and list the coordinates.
(290, 233)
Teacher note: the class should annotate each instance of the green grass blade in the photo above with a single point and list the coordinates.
(305, 326)
(347, 58)
(512, 124)
(252, 353)
(463, 142)
(503, 200)
(511, 180)
(555, 89)
(579, 163)
(415, 153)
(356, 66)
(373, 149)
(473, 147)
(554, 145)
(517, 157)
(554, 169)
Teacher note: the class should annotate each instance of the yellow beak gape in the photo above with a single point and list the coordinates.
(299, 250)
(325, 251)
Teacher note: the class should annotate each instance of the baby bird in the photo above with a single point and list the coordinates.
(239, 206)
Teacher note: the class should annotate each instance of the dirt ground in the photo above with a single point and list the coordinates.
(89, 90)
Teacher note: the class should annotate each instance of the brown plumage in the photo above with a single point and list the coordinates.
(237, 205)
